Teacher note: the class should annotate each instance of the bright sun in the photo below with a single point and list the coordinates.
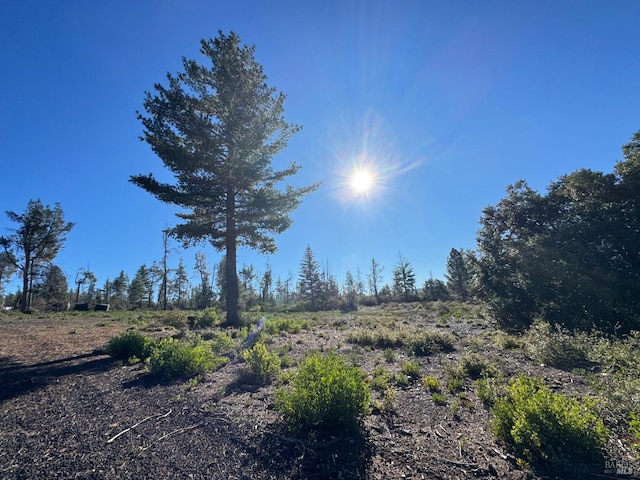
(361, 181)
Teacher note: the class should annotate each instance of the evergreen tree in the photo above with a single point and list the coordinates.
(434, 289)
(204, 296)
(350, 291)
(266, 283)
(309, 281)
(139, 286)
(40, 235)
(404, 280)
(120, 287)
(217, 128)
(179, 284)
(457, 275)
(375, 278)
(55, 289)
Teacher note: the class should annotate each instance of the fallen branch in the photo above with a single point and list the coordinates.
(167, 435)
(162, 415)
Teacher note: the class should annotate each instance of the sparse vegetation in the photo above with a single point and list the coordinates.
(326, 394)
(171, 358)
(262, 365)
(430, 342)
(546, 428)
(129, 345)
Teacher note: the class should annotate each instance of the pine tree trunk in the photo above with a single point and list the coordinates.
(233, 317)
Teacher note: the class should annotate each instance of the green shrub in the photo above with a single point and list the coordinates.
(377, 338)
(326, 394)
(487, 390)
(220, 342)
(545, 428)
(128, 345)
(173, 359)
(438, 398)
(401, 380)
(431, 383)
(455, 382)
(475, 366)
(430, 342)
(411, 369)
(208, 318)
(555, 346)
(286, 325)
(508, 342)
(389, 355)
(262, 365)
(175, 319)
(381, 379)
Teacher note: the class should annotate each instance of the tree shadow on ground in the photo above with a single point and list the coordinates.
(18, 379)
(346, 456)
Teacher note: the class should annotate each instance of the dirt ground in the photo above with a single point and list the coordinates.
(68, 411)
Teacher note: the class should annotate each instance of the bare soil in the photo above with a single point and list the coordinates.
(68, 411)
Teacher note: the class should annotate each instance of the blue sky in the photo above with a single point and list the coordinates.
(446, 101)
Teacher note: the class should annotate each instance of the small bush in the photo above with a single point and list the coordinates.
(208, 318)
(487, 390)
(431, 383)
(128, 345)
(220, 342)
(455, 382)
(381, 379)
(438, 398)
(174, 318)
(430, 342)
(262, 365)
(173, 359)
(286, 325)
(326, 394)
(389, 399)
(475, 366)
(377, 338)
(555, 346)
(545, 428)
(389, 355)
(508, 342)
(411, 369)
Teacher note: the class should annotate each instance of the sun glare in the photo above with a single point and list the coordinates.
(361, 181)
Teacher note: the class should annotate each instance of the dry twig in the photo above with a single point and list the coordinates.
(162, 415)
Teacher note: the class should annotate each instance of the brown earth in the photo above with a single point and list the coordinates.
(67, 411)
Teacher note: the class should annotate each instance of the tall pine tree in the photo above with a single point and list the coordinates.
(217, 128)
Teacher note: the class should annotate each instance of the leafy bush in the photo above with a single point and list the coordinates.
(438, 398)
(326, 394)
(475, 366)
(175, 319)
(378, 338)
(508, 342)
(262, 365)
(220, 342)
(208, 318)
(555, 346)
(173, 359)
(128, 345)
(431, 383)
(286, 325)
(431, 341)
(381, 379)
(411, 369)
(546, 428)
